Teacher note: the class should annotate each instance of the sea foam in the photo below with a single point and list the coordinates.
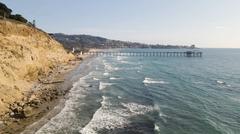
(114, 78)
(111, 118)
(221, 82)
(152, 81)
(106, 74)
(103, 85)
(68, 114)
(95, 79)
(105, 118)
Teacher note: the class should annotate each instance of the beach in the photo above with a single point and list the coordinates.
(49, 92)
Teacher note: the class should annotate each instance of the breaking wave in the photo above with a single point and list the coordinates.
(114, 78)
(103, 85)
(110, 117)
(152, 81)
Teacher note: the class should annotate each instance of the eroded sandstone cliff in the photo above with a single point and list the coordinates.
(25, 54)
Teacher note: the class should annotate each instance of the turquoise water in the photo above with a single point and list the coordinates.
(167, 95)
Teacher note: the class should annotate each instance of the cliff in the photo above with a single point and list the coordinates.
(25, 54)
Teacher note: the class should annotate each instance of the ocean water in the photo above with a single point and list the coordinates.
(161, 95)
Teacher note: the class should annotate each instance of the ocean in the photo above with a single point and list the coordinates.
(154, 95)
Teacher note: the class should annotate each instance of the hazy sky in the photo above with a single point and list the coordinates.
(206, 23)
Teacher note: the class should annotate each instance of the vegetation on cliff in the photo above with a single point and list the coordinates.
(6, 12)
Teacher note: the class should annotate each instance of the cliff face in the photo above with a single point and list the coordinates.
(25, 54)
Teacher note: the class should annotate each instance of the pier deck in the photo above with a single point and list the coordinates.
(160, 54)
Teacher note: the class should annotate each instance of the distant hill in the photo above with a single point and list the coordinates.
(81, 42)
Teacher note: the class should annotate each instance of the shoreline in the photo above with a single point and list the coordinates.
(73, 76)
(45, 99)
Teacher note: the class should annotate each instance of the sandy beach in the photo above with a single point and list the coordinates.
(45, 99)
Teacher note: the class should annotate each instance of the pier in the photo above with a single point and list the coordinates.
(145, 54)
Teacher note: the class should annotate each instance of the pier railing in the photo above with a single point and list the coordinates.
(160, 54)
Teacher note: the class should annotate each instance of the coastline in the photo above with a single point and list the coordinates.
(45, 100)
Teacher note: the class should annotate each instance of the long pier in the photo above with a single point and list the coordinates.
(160, 54)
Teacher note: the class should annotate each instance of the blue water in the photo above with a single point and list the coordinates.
(145, 95)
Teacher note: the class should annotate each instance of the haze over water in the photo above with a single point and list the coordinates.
(174, 95)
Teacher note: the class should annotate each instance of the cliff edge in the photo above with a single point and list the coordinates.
(25, 54)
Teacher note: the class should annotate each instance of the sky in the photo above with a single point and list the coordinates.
(205, 23)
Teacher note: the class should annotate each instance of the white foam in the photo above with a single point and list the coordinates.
(103, 85)
(106, 74)
(156, 128)
(67, 116)
(125, 62)
(119, 97)
(198, 82)
(105, 118)
(137, 109)
(116, 68)
(221, 82)
(119, 58)
(108, 67)
(157, 108)
(152, 81)
(114, 78)
(109, 118)
(95, 79)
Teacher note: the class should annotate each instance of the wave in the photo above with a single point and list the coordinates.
(119, 97)
(108, 67)
(114, 78)
(110, 116)
(95, 79)
(119, 58)
(221, 82)
(116, 68)
(67, 113)
(236, 99)
(106, 74)
(137, 109)
(125, 62)
(104, 85)
(152, 81)
(105, 118)
(156, 128)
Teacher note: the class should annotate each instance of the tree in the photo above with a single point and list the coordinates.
(4, 10)
(18, 17)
